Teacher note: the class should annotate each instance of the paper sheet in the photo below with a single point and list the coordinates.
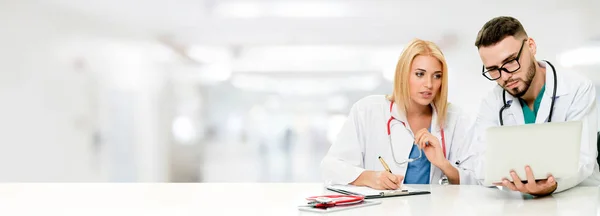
(367, 191)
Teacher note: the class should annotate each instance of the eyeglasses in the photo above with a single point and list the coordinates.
(508, 67)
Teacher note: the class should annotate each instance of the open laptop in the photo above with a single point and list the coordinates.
(547, 148)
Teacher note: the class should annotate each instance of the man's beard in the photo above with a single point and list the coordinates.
(529, 79)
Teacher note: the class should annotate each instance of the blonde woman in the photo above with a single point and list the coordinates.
(422, 138)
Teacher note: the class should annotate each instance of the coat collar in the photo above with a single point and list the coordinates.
(516, 107)
(561, 88)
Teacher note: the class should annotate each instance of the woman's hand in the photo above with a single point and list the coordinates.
(380, 180)
(435, 154)
(431, 146)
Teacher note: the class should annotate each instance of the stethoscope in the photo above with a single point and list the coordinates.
(389, 132)
(508, 103)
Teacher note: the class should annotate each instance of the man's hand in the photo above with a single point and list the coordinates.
(533, 187)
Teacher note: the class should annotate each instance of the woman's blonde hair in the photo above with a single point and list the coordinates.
(401, 93)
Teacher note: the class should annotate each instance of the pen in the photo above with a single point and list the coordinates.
(387, 168)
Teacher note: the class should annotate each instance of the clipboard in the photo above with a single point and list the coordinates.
(370, 193)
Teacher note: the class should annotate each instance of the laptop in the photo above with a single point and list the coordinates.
(548, 148)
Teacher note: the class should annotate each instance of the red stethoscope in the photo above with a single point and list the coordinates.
(327, 201)
(389, 132)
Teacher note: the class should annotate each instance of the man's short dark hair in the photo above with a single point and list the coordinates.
(497, 29)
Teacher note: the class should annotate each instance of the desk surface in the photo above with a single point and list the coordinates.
(274, 199)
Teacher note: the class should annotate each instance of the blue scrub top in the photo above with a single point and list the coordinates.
(528, 114)
(417, 171)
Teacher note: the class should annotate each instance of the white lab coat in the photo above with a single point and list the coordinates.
(363, 138)
(575, 100)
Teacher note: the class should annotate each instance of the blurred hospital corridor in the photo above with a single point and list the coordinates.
(231, 90)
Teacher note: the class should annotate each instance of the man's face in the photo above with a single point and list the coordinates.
(504, 54)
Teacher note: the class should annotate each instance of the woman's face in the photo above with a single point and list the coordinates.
(425, 79)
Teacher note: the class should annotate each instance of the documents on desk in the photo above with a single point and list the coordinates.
(371, 193)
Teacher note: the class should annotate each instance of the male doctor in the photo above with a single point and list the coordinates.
(527, 86)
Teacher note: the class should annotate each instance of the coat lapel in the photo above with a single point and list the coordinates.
(514, 114)
(544, 110)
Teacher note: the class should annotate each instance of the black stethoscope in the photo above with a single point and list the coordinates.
(507, 104)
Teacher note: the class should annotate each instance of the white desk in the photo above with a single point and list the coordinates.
(273, 199)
